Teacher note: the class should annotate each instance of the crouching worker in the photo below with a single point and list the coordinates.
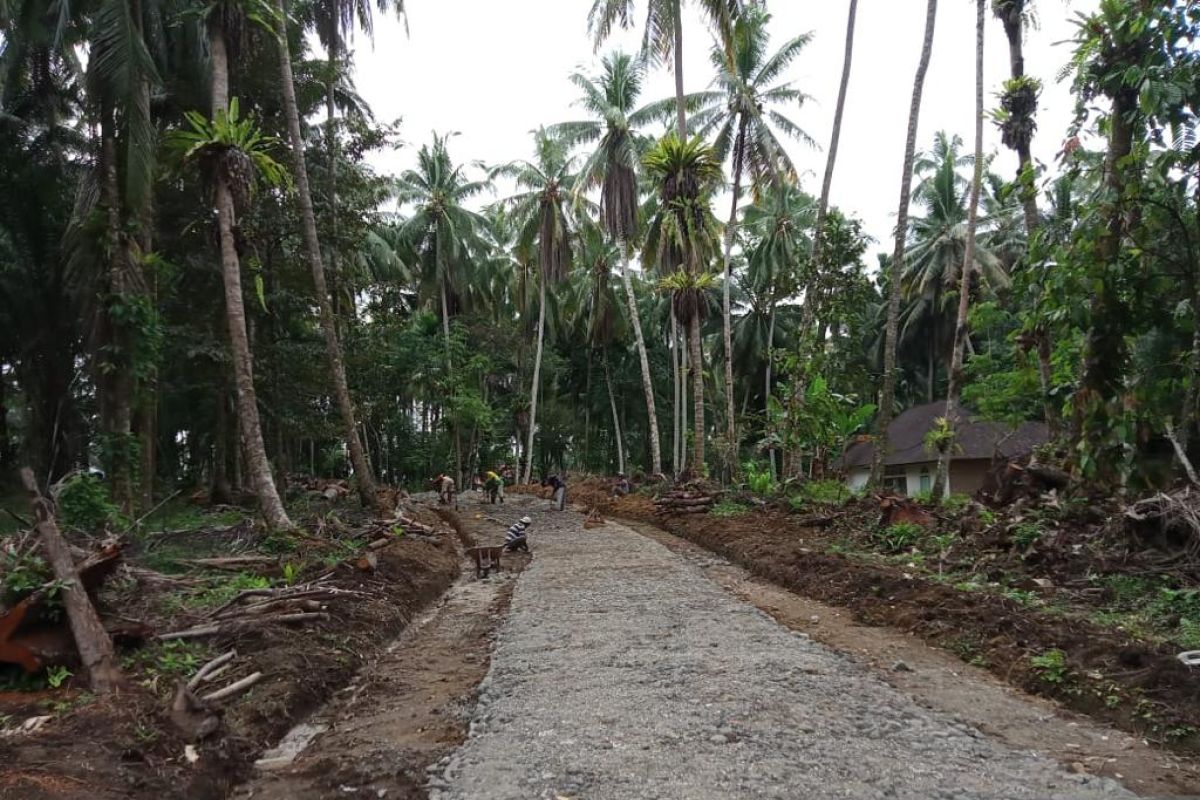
(515, 539)
(445, 488)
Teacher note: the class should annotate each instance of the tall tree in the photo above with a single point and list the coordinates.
(961, 332)
(541, 209)
(443, 233)
(232, 151)
(335, 22)
(682, 243)
(887, 393)
(611, 99)
(831, 157)
(740, 117)
(363, 474)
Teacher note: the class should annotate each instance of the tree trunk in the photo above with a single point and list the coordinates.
(831, 158)
(961, 333)
(680, 104)
(235, 312)
(1105, 351)
(767, 387)
(92, 640)
(887, 394)
(115, 378)
(364, 475)
(731, 445)
(676, 378)
(644, 361)
(537, 376)
(698, 465)
(458, 459)
(612, 402)
(332, 144)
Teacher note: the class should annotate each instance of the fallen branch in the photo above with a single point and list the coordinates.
(220, 662)
(92, 640)
(1182, 455)
(233, 689)
(230, 625)
(230, 562)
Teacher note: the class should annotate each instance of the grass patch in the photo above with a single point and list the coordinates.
(728, 508)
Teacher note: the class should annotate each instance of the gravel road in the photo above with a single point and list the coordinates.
(623, 673)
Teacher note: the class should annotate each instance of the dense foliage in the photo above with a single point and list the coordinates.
(562, 310)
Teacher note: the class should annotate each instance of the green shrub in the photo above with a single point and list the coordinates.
(1051, 667)
(84, 503)
(828, 492)
(728, 508)
(1025, 534)
(957, 503)
(759, 479)
(899, 536)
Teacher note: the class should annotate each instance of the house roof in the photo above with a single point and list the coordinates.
(975, 439)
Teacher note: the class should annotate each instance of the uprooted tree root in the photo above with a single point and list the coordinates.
(1169, 522)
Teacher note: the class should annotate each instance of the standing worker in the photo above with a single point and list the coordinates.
(560, 491)
(493, 484)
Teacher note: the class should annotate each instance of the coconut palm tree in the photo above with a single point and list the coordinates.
(964, 292)
(235, 156)
(681, 243)
(542, 211)
(741, 116)
(887, 393)
(611, 101)
(1018, 103)
(778, 225)
(444, 234)
(364, 475)
(662, 40)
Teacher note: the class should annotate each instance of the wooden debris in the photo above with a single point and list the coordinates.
(593, 520)
(220, 663)
(901, 509)
(233, 689)
(689, 500)
(243, 623)
(92, 640)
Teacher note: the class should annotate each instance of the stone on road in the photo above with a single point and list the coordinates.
(622, 673)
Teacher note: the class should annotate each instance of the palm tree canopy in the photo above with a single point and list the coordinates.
(662, 18)
(747, 96)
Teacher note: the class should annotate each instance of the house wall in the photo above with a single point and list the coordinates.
(966, 477)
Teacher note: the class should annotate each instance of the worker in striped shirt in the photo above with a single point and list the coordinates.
(515, 540)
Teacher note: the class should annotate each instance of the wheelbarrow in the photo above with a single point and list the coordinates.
(486, 559)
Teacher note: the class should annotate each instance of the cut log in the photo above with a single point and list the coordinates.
(218, 663)
(233, 689)
(92, 640)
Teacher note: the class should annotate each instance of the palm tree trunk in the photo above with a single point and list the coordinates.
(731, 445)
(831, 159)
(331, 144)
(680, 104)
(612, 402)
(677, 410)
(235, 312)
(537, 376)
(363, 473)
(767, 387)
(887, 394)
(954, 390)
(458, 459)
(698, 465)
(644, 360)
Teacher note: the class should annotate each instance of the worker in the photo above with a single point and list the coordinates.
(560, 491)
(493, 484)
(621, 485)
(515, 539)
(445, 488)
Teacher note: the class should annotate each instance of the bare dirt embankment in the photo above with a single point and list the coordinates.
(1048, 646)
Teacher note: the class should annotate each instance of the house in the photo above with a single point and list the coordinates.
(910, 469)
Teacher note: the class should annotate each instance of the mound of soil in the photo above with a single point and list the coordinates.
(1138, 685)
(127, 746)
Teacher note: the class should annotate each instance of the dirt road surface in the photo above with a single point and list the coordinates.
(624, 663)
(623, 672)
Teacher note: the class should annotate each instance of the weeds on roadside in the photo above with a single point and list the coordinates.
(728, 508)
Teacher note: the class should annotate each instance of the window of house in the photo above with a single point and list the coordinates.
(895, 479)
(926, 480)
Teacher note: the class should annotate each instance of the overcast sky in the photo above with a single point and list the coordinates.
(493, 71)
